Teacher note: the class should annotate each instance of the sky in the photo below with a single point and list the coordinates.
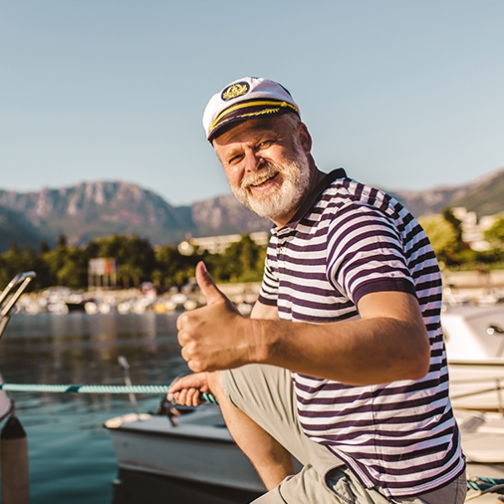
(403, 94)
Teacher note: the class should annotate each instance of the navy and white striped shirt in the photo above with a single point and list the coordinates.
(349, 240)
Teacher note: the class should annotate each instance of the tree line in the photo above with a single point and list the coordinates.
(165, 266)
(445, 234)
(137, 261)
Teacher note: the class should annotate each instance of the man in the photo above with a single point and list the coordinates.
(342, 362)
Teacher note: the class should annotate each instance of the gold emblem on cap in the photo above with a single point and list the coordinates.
(235, 90)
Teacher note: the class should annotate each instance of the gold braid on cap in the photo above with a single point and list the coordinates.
(221, 117)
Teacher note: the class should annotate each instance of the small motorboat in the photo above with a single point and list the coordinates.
(195, 446)
(191, 444)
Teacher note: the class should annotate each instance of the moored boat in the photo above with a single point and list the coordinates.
(474, 337)
(197, 447)
(194, 446)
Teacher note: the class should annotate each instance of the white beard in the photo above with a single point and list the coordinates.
(280, 201)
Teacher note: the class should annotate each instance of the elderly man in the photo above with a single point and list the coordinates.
(342, 362)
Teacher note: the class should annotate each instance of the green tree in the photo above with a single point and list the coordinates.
(456, 225)
(445, 233)
(10, 265)
(16, 261)
(55, 260)
(65, 265)
(495, 234)
(137, 261)
(31, 261)
(134, 256)
(174, 268)
(443, 237)
(242, 261)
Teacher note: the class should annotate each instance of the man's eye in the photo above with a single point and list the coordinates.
(265, 144)
(234, 159)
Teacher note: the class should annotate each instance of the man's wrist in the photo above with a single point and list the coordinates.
(261, 339)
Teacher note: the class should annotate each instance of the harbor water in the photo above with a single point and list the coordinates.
(71, 458)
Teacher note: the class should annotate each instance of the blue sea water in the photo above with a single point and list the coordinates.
(71, 458)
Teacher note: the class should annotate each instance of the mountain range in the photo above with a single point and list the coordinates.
(91, 209)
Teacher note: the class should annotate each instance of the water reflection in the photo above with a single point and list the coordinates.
(79, 348)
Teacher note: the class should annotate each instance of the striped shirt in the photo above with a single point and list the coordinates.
(349, 240)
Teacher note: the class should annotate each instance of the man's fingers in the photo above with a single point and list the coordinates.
(194, 397)
(183, 338)
(186, 390)
(207, 285)
(196, 366)
(188, 397)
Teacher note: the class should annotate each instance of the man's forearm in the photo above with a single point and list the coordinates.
(389, 343)
(359, 352)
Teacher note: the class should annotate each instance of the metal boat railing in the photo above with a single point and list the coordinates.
(495, 384)
(10, 296)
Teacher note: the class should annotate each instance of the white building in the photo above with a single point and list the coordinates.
(472, 229)
(218, 244)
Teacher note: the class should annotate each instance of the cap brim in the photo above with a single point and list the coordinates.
(248, 110)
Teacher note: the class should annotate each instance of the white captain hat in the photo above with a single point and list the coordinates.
(247, 98)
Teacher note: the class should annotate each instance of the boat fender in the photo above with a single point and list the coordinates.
(14, 463)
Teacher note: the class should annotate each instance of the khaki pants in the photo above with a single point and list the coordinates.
(266, 395)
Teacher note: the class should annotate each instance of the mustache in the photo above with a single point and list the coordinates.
(267, 171)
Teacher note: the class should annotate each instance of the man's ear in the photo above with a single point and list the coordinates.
(304, 137)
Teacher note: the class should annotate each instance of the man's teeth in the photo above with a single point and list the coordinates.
(259, 183)
(263, 181)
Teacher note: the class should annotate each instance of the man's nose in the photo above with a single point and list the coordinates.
(253, 161)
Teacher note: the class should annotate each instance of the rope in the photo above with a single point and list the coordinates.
(482, 484)
(95, 389)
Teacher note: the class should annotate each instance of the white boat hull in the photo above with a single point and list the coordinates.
(199, 448)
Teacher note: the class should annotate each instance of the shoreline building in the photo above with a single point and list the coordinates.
(218, 244)
(473, 229)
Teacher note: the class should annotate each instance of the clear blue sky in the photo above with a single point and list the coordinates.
(404, 94)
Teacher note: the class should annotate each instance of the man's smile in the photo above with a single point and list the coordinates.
(264, 182)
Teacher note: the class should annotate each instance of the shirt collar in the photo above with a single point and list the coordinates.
(312, 198)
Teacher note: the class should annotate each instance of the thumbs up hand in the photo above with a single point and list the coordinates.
(215, 336)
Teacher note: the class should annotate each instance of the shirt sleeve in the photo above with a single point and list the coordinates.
(366, 253)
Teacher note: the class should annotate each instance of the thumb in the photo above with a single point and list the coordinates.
(207, 285)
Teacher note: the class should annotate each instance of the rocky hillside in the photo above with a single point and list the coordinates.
(226, 215)
(99, 208)
(88, 210)
(15, 228)
(483, 196)
(486, 196)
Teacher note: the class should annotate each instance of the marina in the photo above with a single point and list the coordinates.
(71, 458)
(132, 171)
(95, 447)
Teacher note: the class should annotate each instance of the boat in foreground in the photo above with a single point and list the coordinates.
(194, 446)
(198, 448)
